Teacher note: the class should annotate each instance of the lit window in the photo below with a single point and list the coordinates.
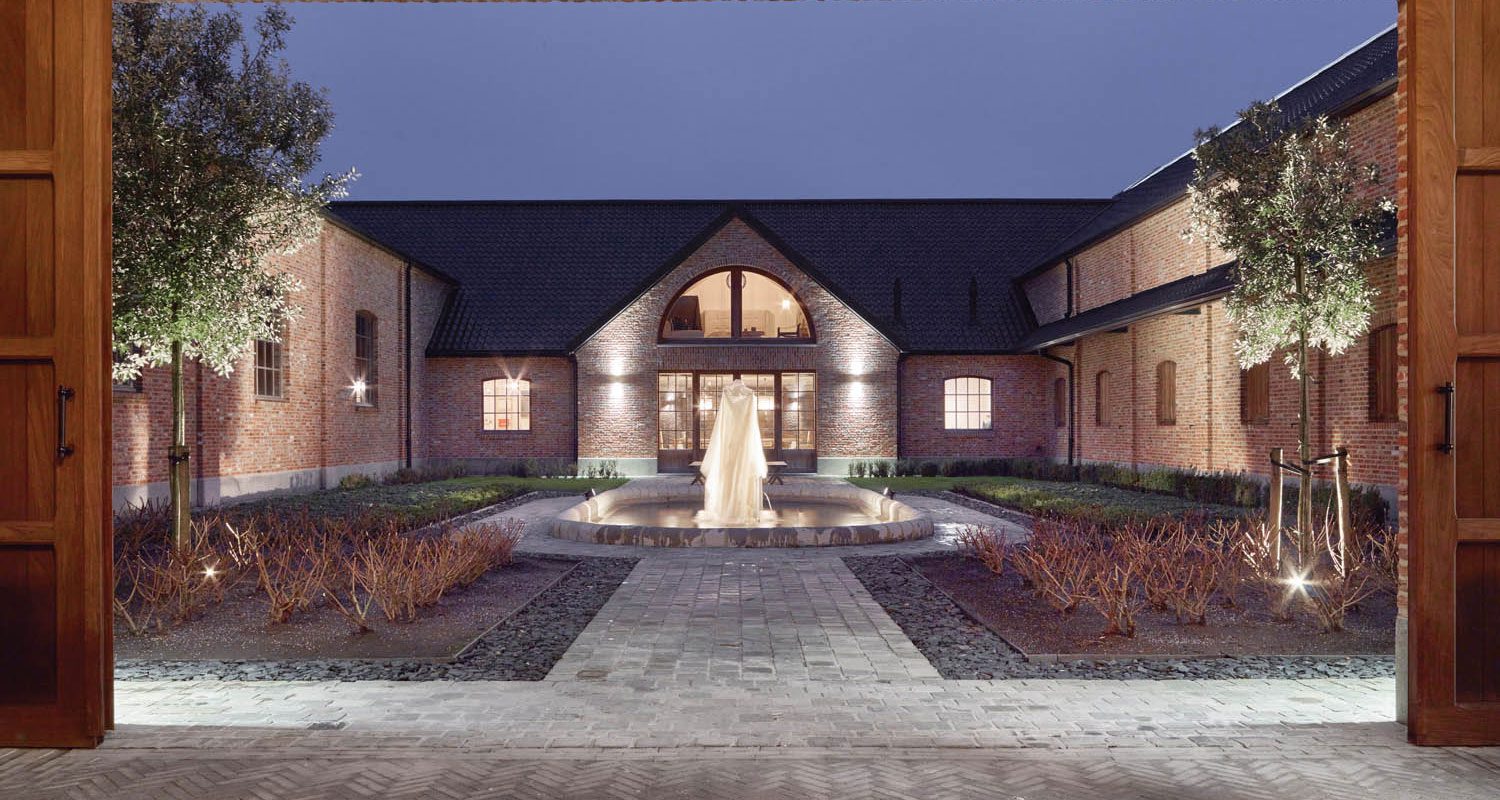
(737, 304)
(366, 374)
(270, 369)
(966, 404)
(799, 410)
(675, 408)
(507, 405)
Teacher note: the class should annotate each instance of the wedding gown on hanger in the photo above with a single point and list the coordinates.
(734, 466)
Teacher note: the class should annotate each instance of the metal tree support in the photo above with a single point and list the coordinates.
(1340, 459)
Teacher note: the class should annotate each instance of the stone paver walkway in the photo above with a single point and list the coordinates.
(753, 674)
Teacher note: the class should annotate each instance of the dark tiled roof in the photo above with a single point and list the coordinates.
(539, 277)
(1178, 295)
(1368, 70)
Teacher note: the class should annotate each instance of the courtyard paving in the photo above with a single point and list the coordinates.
(757, 674)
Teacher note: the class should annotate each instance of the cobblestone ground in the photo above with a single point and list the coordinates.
(755, 674)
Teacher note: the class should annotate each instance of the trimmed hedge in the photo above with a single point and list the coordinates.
(1217, 488)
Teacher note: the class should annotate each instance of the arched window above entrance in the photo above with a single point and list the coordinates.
(736, 304)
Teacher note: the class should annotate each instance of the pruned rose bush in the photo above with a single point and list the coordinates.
(296, 563)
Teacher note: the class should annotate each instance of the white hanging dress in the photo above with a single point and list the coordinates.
(734, 466)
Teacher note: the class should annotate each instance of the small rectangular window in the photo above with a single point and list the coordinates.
(1166, 393)
(507, 405)
(966, 404)
(1060, 403)
(366, 375)
(1255, 395)
(799, 410)
(133, 385)
(674, 411)
(270, 369)
(1103, 412)
(1383, 395)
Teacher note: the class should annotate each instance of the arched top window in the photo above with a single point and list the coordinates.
(736, 304)
(966, 404)
(507, 404)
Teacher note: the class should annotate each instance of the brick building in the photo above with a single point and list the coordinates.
(594, 332)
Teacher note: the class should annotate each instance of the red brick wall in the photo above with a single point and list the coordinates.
(855, 364)
(1020, 397)
(452, 409)
(241, 443)
(1208, 433)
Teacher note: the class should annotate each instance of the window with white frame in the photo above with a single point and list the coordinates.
(507, 404)
(966, 404)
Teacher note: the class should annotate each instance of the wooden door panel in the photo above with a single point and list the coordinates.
(1477, 655)
(1477, 433)
(28, 625)
(28, 448)
(25, 74)
(27, 305)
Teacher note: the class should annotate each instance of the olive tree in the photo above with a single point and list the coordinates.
(1296, 207)
(213, 141)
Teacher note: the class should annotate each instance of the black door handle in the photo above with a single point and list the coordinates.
(64, 394)
(1448, 392)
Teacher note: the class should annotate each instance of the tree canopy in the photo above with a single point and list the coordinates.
(213, 143)
(1296, 207)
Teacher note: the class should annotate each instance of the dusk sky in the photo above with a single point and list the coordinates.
(789, 100)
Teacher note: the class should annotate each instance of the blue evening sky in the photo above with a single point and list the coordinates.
(784, 100)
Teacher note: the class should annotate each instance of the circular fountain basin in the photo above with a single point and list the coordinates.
(805, 514)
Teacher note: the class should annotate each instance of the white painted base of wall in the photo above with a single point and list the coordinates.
(839, 466)
(1401, 667)
(229, 488)
(625, 467)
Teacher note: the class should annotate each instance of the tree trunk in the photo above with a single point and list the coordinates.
(177, 456)
(1304, 443)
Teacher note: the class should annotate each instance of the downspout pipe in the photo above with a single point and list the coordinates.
(1068, 265)
(407, 389)
(1072, 405)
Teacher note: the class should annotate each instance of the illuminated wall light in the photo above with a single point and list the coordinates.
(856, 366)
(617, 366)
(617, 390)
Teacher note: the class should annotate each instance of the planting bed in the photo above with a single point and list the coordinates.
(962, 647)
(1014, 612)
(524, 644)
(238, 628)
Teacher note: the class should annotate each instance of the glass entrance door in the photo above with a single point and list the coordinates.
(786, 408)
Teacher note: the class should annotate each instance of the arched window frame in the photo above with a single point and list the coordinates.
(735, 274)
(366, 386)
(958, 415)
(508, 408)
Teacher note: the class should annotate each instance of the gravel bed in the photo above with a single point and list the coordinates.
(961, 648)
(975, 504)
(521, 648)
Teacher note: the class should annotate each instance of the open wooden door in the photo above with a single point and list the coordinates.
(1452, 245)
(55, 670)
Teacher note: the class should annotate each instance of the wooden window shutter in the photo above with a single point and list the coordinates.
(1255, 394)
(1102, 412)
(1166, 393)
(1060, 402)
(1382, 376)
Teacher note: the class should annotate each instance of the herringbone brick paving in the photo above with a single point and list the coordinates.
(769, 674)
